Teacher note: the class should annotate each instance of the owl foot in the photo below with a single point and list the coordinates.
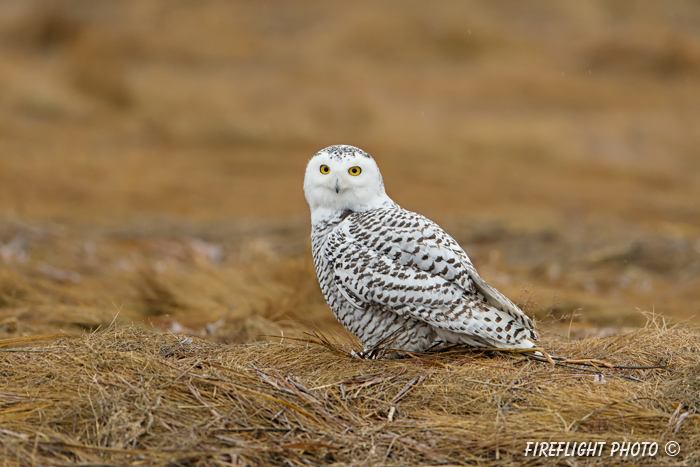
(368, 354)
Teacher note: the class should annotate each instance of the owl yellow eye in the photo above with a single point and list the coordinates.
(325, 169)
(354, 171)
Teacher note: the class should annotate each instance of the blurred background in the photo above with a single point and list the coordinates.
(152, 154)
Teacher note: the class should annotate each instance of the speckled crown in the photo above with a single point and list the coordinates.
(342, 152)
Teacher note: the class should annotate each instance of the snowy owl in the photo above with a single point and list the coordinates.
(393, 277)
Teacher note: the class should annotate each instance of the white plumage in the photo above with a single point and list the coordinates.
(393, 277)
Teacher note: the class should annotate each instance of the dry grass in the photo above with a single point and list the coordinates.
(132, 396)
(556, 143)
(227, 291)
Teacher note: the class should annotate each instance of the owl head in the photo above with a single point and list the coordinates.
(343, 178)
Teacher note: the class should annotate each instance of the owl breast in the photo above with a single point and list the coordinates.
(373, 326)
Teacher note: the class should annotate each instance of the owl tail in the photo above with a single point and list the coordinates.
(523, 344)
(479, 341)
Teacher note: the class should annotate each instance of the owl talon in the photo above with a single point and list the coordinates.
(367, 354)
(372, 354)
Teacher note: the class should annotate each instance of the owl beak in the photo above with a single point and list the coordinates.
(337, 186)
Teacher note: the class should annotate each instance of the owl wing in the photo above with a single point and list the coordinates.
(399, 260)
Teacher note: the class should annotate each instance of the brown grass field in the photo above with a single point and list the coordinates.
(154, 233)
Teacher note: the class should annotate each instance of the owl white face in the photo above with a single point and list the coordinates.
(341, 178)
